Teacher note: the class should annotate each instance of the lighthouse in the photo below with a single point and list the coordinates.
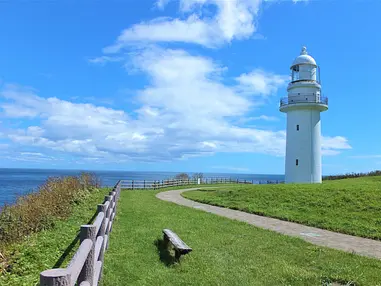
(303, 106)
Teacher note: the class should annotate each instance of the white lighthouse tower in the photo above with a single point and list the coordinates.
(303, 106)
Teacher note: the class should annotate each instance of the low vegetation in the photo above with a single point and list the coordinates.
(351, 206)
(38, 219)
(185, 176)
(352, 175)
(225, 252)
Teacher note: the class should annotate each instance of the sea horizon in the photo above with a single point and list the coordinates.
(115, 170)
(15, 182)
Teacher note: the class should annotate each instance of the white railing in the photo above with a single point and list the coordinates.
(304, 98)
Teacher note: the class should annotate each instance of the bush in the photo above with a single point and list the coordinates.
(197, 176)
(38, 210)
(352, 175)
(182, 176)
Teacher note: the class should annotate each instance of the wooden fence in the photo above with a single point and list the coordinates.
(158, 184)
(85, 268)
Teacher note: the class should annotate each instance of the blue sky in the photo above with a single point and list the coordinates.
(190, 85)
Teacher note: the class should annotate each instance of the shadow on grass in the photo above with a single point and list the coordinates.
(326, 281)
(164, 253)
(70, 247)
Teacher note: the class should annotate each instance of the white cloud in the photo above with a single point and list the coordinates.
(234, 19)
(184, 111)
(333, 145)
(229, 168)
(32, 154)
(261, 82)
(245, 120)
(330, 152)
(265, 118)
(337, 142)
(375, 156)
(104, 59)
(189, 85)
(161, 3)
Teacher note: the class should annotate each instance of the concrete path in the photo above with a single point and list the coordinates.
(358, 245)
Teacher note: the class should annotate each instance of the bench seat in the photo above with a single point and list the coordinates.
(180, 246)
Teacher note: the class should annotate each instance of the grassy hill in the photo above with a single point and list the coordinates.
(225, 252)
(351, 206)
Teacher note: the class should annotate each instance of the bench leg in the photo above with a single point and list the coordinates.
(165, 241)
(177, 255)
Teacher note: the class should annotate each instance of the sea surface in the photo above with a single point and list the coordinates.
(16, 182)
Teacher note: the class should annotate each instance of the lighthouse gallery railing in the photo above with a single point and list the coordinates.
(299, 99)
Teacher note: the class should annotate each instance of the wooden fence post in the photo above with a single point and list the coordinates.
(102, 230)
(144, 184)
(114, 209)
(132, 184)
(55, 277)
(108, 216)
(87, 272)
(113, 200)
(118, 189)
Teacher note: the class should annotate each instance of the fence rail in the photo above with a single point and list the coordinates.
(158, 184)
(85, 268)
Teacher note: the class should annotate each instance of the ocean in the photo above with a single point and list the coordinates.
(16, 182)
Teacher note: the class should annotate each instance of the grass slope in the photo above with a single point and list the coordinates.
(225, 252)
(46, 249)
(351, 206)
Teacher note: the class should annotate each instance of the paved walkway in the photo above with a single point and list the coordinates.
(358, 245)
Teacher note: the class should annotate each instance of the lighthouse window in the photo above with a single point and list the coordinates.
(297, 127)
(297, 162)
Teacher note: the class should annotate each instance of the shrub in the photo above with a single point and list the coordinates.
(197, 176)
(352, 175)
(38, 210)
(182, 176)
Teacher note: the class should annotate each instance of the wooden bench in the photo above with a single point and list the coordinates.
(179, 245)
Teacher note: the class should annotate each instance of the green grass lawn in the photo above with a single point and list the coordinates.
(351, 206)
(46, 249)
(225, 252)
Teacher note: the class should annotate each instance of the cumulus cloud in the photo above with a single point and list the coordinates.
(234, 19)
(180, 115)
(187, 85)
(333, 145)
(186, 110)
(261, 82)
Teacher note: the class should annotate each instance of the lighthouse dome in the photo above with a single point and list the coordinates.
(304, 58)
